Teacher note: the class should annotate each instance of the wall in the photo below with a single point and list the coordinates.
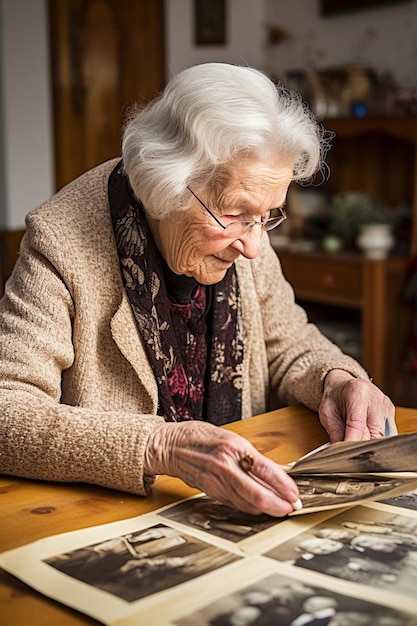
(26, 162)
(245, 21)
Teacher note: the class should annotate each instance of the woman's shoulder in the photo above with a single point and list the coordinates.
(84, 195)
(73, 228)
(80, 210)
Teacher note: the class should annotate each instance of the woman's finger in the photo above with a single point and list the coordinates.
(263, 485)
(247, 494)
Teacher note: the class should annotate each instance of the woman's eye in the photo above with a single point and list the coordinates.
(235, 218)
(245, 217)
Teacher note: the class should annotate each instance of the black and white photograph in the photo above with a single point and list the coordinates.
(280, 600)
(405, 500)
(327, 491)
(218, 519)
(389, 454)
(139, 564)
(361, 545)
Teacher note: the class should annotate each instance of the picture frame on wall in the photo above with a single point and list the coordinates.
(209, 22)
(334, 7)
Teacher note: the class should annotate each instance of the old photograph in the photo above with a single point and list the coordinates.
(218, 519)
(285, 601)
(140, 564)
(361, 545)
(404, 500)
(390, 454)
(327, 491)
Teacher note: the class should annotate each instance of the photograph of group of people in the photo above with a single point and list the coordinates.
(280, 600)
(363, 545)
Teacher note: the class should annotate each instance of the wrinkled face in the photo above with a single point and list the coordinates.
(258, 597)
(318, 603)
(372, 542)
(316, 545)
(245, 616)
(334, 533)
(194, 245)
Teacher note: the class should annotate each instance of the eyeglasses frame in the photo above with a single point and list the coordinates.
(252, 223)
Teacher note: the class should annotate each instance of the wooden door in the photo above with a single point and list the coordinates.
(105, 56)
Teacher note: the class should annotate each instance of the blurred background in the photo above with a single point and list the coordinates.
(71, 69)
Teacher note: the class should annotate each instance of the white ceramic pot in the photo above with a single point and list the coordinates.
(375, 240)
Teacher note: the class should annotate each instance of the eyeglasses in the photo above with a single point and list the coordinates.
(242, 227)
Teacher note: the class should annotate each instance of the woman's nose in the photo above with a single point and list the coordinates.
(249, 244)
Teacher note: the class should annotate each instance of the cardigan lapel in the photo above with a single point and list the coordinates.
(125, 334)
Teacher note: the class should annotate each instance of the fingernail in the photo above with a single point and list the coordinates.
(297, 505)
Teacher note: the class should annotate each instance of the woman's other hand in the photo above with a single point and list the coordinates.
(208, 457)
(353, 409)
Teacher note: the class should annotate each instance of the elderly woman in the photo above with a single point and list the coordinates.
(147, 306)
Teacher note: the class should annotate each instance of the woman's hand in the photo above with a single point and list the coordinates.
(208, 457)
(353, 409)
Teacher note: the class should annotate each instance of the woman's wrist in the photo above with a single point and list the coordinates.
(336, 376)
(156, 452)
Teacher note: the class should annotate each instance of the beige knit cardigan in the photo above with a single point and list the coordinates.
(78, 398)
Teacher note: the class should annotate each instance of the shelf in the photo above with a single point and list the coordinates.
(399, 127)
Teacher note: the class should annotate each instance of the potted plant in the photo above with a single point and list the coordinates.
(355, 218)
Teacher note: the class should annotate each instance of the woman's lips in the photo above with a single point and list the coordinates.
(228, 262)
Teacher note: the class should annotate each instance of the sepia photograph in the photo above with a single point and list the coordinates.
(219, 519)
(326, 491)
(360, 545)
(140, 564)
(404, 500)
(289, 571)
(389, 454)
(280, 600)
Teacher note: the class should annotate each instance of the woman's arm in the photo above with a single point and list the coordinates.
(58, 420)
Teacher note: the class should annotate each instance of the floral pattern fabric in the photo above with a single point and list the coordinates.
(187, 382)
(196, 355)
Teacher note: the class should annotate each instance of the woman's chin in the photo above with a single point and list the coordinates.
(210, 272)
(210, 278)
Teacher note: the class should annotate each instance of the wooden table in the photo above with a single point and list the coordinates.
(30, 510)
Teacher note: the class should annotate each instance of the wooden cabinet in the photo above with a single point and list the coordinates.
(374, 292)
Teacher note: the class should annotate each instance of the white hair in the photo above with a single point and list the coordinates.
(206, 117)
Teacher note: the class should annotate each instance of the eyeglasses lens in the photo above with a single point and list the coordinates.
(238, 229)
